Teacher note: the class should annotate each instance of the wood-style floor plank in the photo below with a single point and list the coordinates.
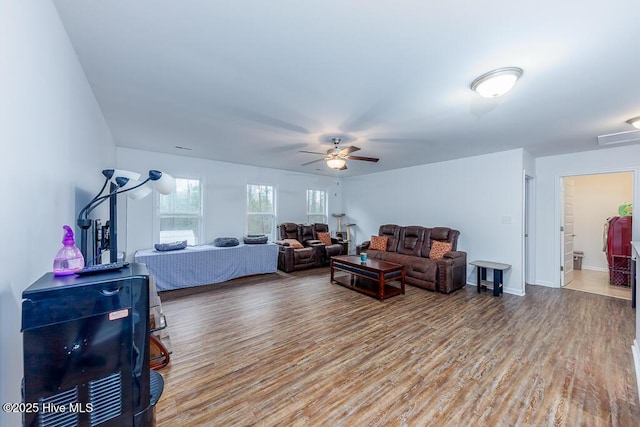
(293, 349)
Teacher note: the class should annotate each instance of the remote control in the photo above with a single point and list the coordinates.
(102, 268)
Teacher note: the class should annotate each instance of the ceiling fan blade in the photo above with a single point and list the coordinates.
(366, 159)
(347, 150)
(313, 161)
(311, 152)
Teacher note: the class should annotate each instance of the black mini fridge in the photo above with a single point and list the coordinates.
(86, 350)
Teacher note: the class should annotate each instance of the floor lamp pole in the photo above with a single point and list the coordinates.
(113, 224)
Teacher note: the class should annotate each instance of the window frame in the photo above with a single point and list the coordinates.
(200, 216)
(273, 214)
(325, 214)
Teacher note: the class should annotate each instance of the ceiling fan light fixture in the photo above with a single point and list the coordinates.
(497, 82)
(336, 163)
(635, 122)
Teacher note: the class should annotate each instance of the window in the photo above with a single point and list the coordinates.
(317, 206)
(181, 213)
(261, 214)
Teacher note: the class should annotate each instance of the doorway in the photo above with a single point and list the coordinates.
(587, 201)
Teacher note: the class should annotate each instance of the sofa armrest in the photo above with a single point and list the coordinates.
(286, 258)
(452, 271)
(364, 246)
(455, 255)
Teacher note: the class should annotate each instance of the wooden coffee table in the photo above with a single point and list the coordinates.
(371, 277)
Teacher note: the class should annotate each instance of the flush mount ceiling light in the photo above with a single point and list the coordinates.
(336, 163)
(497, 82)
(635, 122)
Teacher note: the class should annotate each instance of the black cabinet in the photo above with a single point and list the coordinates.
(86, 350)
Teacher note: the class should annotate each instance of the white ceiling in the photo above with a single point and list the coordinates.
(254, 81)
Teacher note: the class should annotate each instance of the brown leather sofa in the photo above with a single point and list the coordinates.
(411, 247)
(312, 254)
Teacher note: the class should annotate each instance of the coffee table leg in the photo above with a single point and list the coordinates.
(331, 271)
(381, 287)
(402, 281)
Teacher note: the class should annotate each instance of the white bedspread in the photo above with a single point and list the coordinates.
(206, 264)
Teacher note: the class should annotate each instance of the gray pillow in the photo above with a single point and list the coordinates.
(170, 246)
(225, 242)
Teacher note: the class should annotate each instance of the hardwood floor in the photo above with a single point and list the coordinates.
(293, 349)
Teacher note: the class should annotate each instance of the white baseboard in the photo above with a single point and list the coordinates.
(544, 283)
(587, 267)
(518, 292)
(636, 361)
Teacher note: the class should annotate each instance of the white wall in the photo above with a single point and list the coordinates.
(481, 196)
(596, 198)
(224, 195)
(547, 216)
(529, 163)
(54, 143)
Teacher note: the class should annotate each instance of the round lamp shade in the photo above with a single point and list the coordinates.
(336, 163)
(497, 82)
(163, 182)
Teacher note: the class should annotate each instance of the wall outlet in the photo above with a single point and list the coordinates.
(506, 220)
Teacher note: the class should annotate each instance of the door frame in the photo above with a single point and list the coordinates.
(559, 209)
(529, 244)
(563, 232)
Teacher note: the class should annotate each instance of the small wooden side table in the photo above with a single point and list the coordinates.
(498, 268)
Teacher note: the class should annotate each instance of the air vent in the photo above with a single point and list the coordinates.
(619, 138)
(49, 416)
(106, 397)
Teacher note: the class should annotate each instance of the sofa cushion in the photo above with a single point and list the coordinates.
(304, 256)
(293, 243)
(410, 241)
(288, 230)
(374, 254)
(446, 234)
(440, 233)
(392, 231)
(438, 249)
(307, 232)
(324, 237)
(379, 243)
(425, 245)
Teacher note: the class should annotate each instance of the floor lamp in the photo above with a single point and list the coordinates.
(120, 181)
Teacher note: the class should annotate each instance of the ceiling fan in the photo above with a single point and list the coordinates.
(337, 157)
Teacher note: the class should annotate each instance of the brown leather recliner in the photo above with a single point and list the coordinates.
(336, 247)
(411, 247)
(313, 254)
(292, 259)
